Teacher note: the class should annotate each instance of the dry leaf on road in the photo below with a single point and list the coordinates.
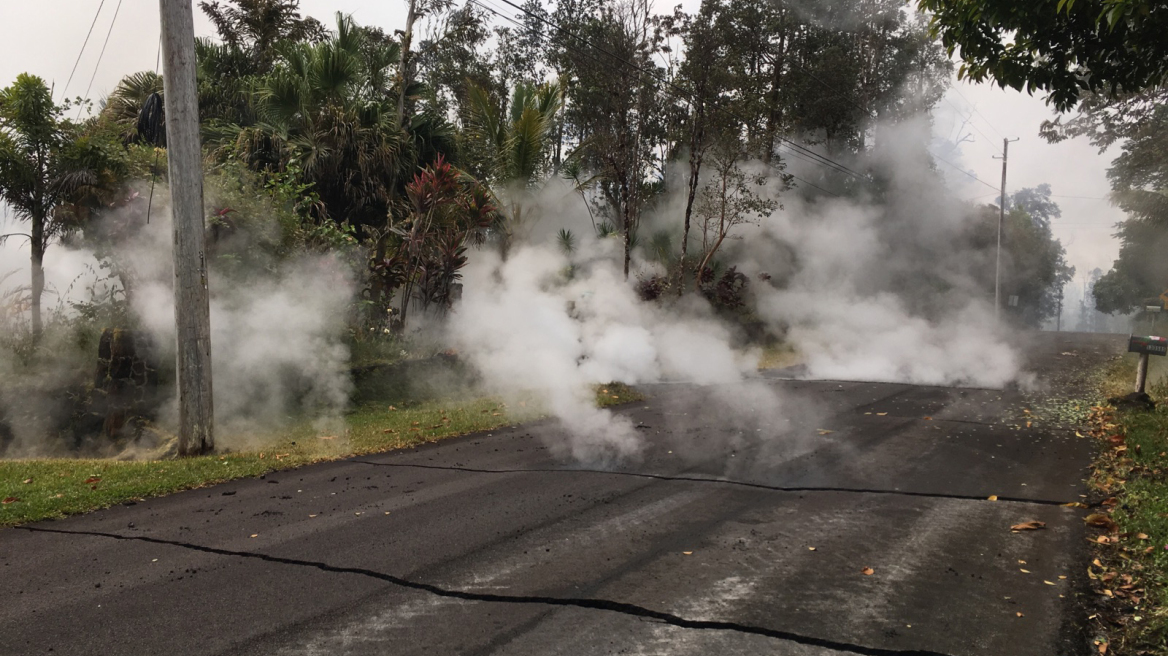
(867, 571)
(1032, 525)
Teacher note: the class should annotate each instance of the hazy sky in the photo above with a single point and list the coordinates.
(45, 38)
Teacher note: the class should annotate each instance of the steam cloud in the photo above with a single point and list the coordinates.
(863, 290)
(276, 335)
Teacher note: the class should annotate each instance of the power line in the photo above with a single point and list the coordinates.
(975, 111)
(83, 44)
(958, 168)
(822, 160)
(102, 53)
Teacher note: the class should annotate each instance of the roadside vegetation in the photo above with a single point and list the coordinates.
(1129, 486)
(33, 490)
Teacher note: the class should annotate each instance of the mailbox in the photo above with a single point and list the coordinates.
(1148, 344)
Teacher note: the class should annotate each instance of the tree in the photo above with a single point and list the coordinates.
(516, 143)
(613, 108)
(727, 201)
(703, 76)
(325, 108)
(1139, 183)
(258, 27)
(1063, 49)
(48, 171)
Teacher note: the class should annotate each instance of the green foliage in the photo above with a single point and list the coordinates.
(51, 174)
(1139, 180)
(1063, 49)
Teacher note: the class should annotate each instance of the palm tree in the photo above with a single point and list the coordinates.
(50, 174)
(516, 143)
(324, 108)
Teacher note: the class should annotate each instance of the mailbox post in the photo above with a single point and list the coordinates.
(1145, 345)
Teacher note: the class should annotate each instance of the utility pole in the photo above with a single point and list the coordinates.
(185, 161)
(1001, 220)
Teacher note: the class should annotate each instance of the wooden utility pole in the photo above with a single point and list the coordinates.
(192, 313)
(1001, 221)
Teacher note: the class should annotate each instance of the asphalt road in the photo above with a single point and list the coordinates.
(742, 530)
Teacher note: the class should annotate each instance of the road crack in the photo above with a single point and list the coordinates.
(624, 608)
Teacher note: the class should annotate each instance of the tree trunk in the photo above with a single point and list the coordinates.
(404, 64)
(38, 274)
(697, 131)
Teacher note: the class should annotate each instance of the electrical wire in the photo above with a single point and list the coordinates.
(961, 170)
(83, 44)
(101, 54)
(975, 111)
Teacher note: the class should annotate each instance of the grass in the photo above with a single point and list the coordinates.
(1130, 479)
(778, 356)
(51, 488)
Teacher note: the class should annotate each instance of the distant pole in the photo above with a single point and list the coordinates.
(185, 161)
(1001, 221)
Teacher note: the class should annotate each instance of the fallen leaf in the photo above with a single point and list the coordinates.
(391, 408)
(312, 516)
(1049, 582)
(1142, 536)
(255, 535)
(1061, 577)
(495, 414)
(881, 414)
(1021, 562)
(93, 479)
(1096, 563)
(27, 481)
(1103, 648)
(1074, 504)
(928, 419)
(389, 430)
(1019, 614)
(1028, 424)
(1024, 571)
(1032, 525)
(992, 497)
(1101, 521)
(811, 548)
(688, 553)
(327, 437)
(824, 431)
(8, 500)
(867, 571)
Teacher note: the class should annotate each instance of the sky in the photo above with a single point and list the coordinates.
(46, 37)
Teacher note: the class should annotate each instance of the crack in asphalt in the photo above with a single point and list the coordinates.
(586, 603)
(723, 481)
